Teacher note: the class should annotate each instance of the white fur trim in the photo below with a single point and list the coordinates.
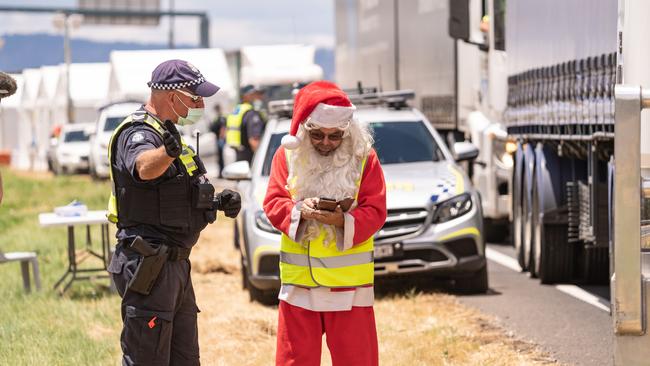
(295, 220)
(290, 142)
(348, 232)
(331, 116)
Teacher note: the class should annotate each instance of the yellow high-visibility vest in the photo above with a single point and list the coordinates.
(187, 158)
(233, 124)
(324, 265)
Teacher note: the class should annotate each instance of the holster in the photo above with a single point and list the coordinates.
(153, 259)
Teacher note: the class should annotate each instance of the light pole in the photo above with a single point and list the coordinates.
(66, 21)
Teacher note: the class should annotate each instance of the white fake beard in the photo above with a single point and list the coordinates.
(334, 176)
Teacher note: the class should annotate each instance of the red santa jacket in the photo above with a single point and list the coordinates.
(367, 218)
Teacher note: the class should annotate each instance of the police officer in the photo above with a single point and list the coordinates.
(245, 125)
(160, 202)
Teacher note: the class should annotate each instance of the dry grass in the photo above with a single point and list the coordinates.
(413, 328)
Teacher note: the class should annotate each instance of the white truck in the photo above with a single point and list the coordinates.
(277, 68)
(558, 80)
(406, 45)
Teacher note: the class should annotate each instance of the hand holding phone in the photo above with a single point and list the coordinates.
(327, 204)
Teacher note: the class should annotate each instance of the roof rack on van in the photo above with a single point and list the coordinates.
(281, 108)
(393, 99)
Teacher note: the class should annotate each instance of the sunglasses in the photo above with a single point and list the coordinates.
(320, 136)
(195, 98)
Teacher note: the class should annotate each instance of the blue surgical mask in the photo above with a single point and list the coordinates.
(193, 115)
(258, 104)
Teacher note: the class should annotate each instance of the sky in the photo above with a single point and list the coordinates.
(233, 23)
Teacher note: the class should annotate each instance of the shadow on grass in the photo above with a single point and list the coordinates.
(90, 291)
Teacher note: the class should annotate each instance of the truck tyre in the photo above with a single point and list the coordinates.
(477, 283)
(554, 254)
(516, 230)
(526, 225)
(537, 228)
(495, 231)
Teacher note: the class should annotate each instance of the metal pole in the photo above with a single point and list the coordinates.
(67, 59)
(396, 37)
(171, 24)
(205, 32)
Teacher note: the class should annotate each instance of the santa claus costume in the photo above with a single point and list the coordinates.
(326, 271)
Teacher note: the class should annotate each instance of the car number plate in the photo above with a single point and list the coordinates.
(382, 251)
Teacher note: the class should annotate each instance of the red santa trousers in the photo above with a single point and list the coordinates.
(351, 336)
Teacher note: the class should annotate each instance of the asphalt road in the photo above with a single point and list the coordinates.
(570, 330)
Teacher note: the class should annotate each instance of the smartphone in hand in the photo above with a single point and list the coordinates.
(327, 204)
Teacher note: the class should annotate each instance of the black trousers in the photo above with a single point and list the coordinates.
(159, 328)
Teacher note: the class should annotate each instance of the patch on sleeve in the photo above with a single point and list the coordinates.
(137, 137)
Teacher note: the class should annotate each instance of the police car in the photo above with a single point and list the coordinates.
(434, 222)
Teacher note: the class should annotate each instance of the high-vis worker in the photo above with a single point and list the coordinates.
(327, 196)
(160, 201)
(245, 125)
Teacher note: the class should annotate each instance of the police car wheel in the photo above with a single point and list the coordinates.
(264, 297)
(477, 283)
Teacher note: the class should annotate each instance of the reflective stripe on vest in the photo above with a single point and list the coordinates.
(318, 265)
(233, 124)
(186, 158)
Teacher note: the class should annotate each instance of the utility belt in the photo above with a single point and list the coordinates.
(153, 260)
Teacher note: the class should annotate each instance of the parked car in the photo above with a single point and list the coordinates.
(71, 151)
(434, 223)
(110, 117)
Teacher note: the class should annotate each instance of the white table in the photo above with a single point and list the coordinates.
(90, 218)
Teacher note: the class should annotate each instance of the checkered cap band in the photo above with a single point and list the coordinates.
(173, 86)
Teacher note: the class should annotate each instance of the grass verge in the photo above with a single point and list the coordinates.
(43, 328)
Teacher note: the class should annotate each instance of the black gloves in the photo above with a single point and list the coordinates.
(229, 202)
(172, 139)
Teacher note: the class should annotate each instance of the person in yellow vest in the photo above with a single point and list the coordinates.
(245, 125)
(160, 201)
(7, 88)
(327, 196)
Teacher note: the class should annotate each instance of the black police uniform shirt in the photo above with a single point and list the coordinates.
(252, 127)
(132, 141)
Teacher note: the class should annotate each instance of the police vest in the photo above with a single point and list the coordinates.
(168, 203)
(233, 124)
(324, 265)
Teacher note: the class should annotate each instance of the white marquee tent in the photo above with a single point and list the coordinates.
(88, 91)
(131, 70)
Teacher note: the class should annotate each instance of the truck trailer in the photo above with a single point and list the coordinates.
(391, 45)
(558, 81)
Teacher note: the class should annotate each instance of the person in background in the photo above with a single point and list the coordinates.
(327, 196)
(245, 125)
(218, 127)
(7, 88)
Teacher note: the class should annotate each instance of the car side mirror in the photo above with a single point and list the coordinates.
(465, 150)
(240, 170)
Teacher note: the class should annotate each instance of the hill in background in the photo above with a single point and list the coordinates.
(22, 51)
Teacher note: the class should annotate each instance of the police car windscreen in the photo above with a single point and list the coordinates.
(404, 142)
(274, 144)
(76, 136)
(112, 123)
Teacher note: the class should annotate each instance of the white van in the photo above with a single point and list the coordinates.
(110, 117)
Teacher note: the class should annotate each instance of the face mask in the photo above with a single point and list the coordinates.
(193, 115)
(257, 104)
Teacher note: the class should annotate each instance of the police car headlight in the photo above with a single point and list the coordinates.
(453, 208)
(262, 222)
